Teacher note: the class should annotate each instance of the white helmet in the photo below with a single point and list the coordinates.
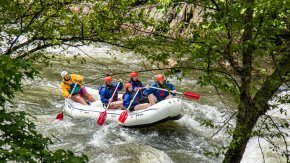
(63, 74)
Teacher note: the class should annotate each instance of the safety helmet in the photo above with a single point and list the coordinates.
(108, 78)
(63, 74)
(133, 74)
(127, 85)
(160, 77)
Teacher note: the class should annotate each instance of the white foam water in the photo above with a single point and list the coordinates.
(150, 154)
(97, 50)
(253, 152)
(281, 110)
(184, 140)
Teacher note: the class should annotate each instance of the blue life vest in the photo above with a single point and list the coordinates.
(138, 84)
(128, 96)
(106, 92)
(161, 94)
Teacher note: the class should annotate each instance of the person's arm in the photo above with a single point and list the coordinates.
(126, 101)
(120, 86)
(104, 97)
(172, 88)
(147, 90)
(64, 91)
(152, 90)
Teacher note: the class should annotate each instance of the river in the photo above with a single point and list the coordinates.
(184, 140)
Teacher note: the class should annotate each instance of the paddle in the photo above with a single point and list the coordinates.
(60, 115)
(190, 95)
(103, 115)
(124, 114)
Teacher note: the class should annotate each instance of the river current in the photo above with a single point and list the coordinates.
(183, 140)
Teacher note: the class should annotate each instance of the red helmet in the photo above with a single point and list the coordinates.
(128, 85)
(160, 77)
(108, 78)
(133, 74)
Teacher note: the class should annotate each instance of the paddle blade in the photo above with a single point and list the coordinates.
(60, 116)
(102, 118)
(192, 95)
(123, 116)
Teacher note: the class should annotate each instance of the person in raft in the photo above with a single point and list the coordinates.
(137, 84)
(106, 92)
(156, 95)
(128, 97)
(80, 93)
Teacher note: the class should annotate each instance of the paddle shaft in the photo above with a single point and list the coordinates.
(167, 90)
(74, 88)
(131, 102)
(124, 114)
(191, 95)
(113, 96)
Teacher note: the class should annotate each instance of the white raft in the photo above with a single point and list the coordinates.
(162, 111)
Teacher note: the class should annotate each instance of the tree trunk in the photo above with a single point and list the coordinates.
(246, 121)
(247, 113)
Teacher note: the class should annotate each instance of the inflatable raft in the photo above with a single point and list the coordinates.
(165, 110)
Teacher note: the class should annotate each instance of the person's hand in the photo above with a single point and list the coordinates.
(136, 89)
(121, 80)
(131, 101)
(110, 100)
(69, 96)
(147, 86)
(174, 91)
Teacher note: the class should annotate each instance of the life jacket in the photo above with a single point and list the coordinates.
(136, 83)
(100, 88)
(123, 96)
(76, 90)
(161, 94)
(66, 88)
(132, 94)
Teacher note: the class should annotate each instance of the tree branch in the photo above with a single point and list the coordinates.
(272, 83)
(96, 60)
(227, 121)
(155, 34)
(247, 51)
(259, 139)
(170, 68)
(216, 5)
(35, 16)
(284, 139)
(8, 52)
(40, 47)
(259, 27)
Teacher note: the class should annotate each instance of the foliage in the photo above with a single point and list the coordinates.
(28, 27)
(12, 71)
(20, 142)
(241, 47)
(19, 139)
(40, 24)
